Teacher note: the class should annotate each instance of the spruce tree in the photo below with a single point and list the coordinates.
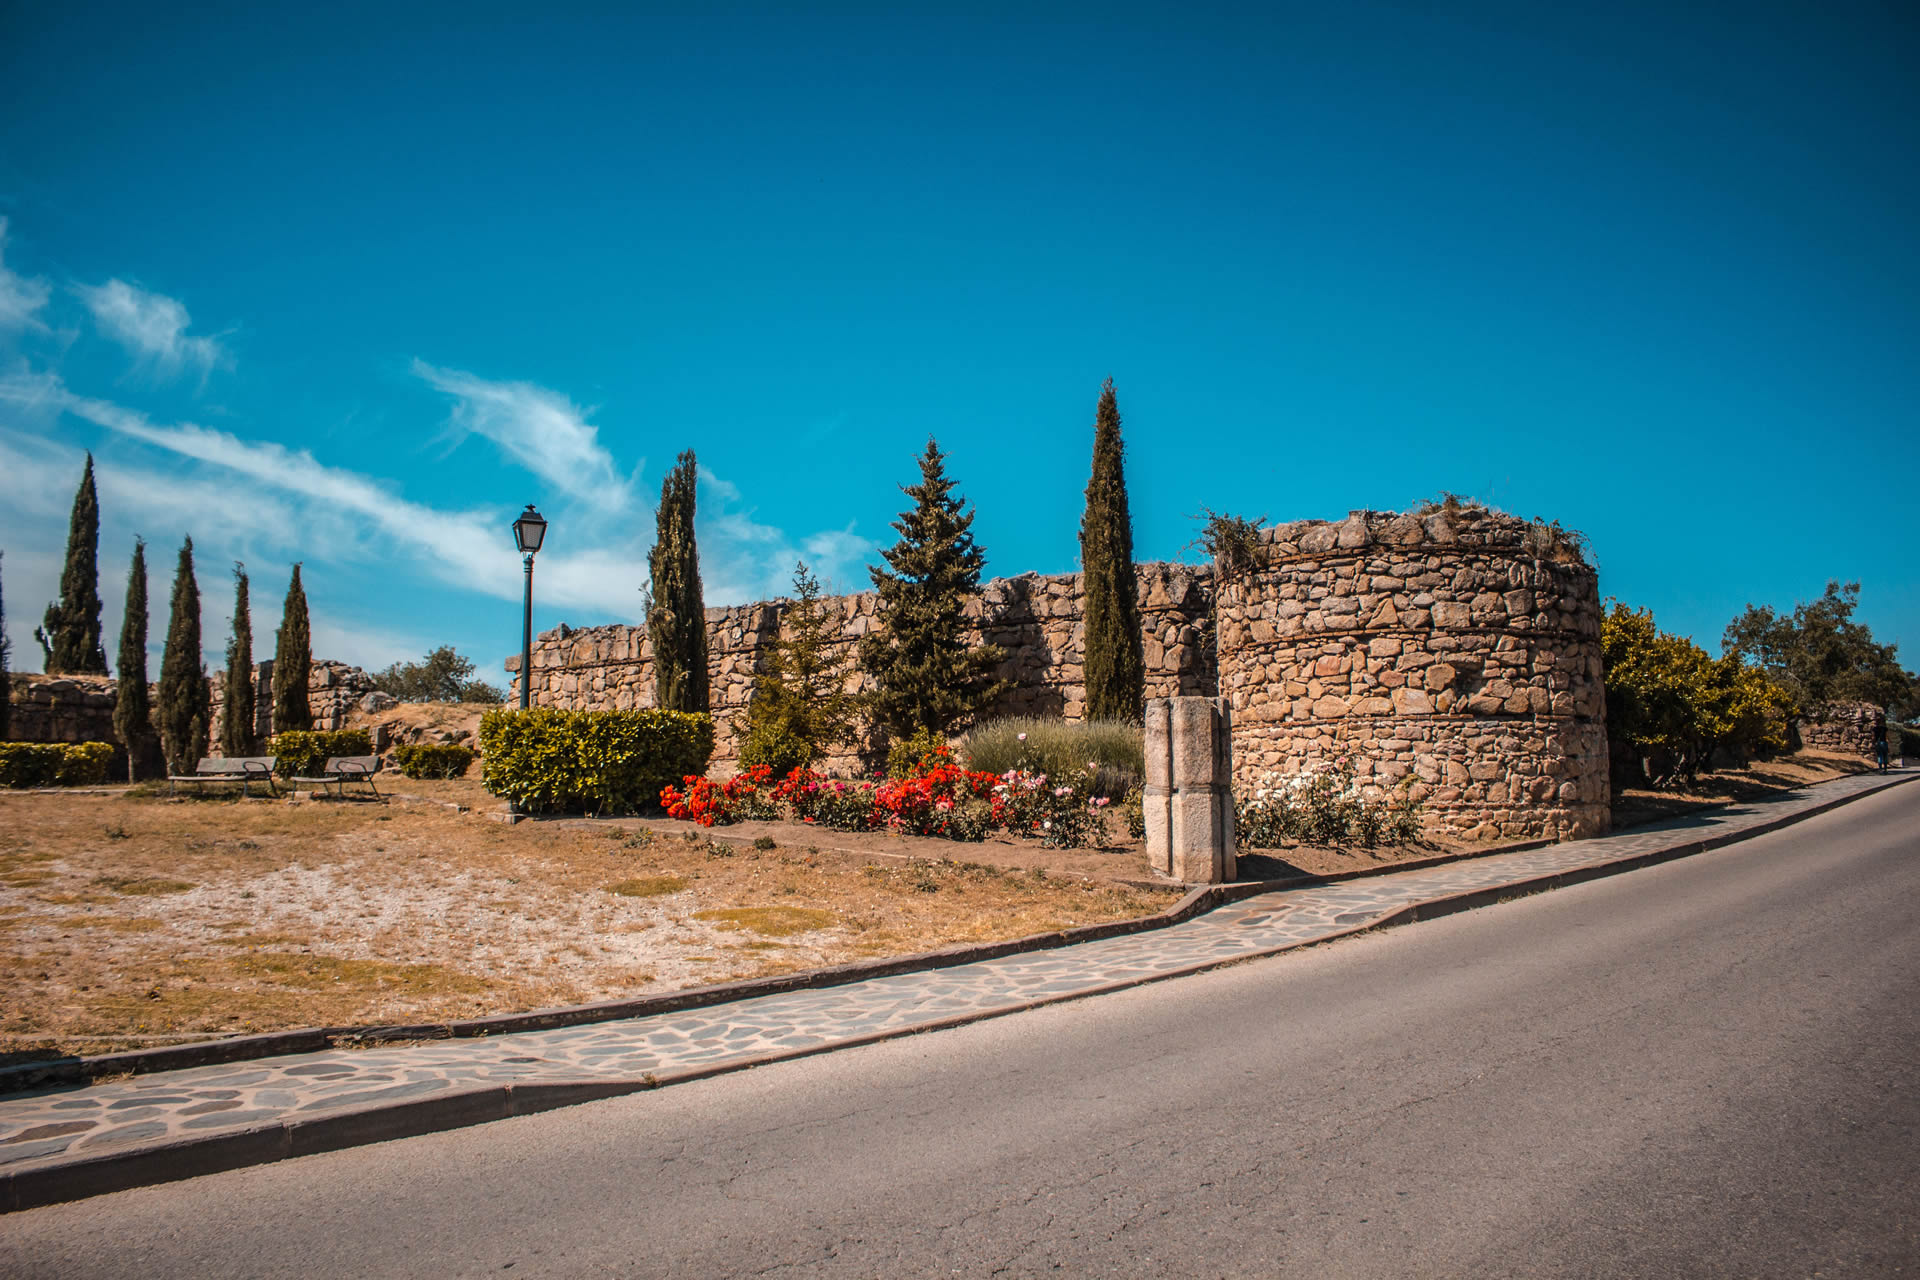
(236, 710)
(184, 701)
(292, 662)
(800, 705)
(70, 636)
(677, 620)
(132, 707)
(1115, 666)
(927, 677)
(6, 681)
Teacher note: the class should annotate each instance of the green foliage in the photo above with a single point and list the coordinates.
(184, 703)
(1231, 542)
(1673, 706)
(1062, 750)
(916, 753)
(70, 636)
(677, 618)
(236, 709)
(1820, 654)
(1133, 811)
(546, 761)
(132, 703)
(1116, 671)
(432, 759)
(301, 753)
(1328, 806)
(293, 661)
(441, 676)
(54, 764)
(800, 708)
(926, 675)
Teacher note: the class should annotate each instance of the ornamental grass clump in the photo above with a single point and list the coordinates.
(1061, 749)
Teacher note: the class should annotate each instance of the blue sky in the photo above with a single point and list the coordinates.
(345, 287)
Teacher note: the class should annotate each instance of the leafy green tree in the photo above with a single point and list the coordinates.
(800, 707)
(292, 661)
(927, 677)
(441, 676)
(6, 681)
(1820, 653)
(236, 710)
(1116, 669)
(132, 706)
(677, 619)
(184, 702)
(70, 636)
(1673, 705)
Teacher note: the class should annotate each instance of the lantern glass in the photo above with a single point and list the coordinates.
(529, 530)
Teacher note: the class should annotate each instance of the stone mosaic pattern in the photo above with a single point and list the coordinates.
(53, 1126)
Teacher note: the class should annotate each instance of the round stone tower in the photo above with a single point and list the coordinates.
(1454, 652)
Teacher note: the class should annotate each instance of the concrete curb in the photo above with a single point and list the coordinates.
(266, 1144)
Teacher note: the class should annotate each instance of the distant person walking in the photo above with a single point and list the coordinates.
(1880, 746)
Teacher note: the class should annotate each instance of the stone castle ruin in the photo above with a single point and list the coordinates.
(1454, 652)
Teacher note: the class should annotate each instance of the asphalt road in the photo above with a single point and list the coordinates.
(1702, 1069)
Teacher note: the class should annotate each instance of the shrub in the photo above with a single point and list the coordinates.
(299, 753)
(546, 760)
(1327, 805)
(432, 759)
(916, 753)
(54, 764)
(1062, 751)
(773, 744)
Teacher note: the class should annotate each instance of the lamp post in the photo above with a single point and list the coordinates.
(529, 531)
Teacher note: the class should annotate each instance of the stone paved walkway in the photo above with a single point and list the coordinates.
(169, 1112)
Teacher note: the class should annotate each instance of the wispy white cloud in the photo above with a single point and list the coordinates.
(744, 559)
(152, 326)
(542, 430)
(21, 297)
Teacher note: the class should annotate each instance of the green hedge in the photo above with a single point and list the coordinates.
(54, 764)
(432, 759)
(550, 761)
(300, 752)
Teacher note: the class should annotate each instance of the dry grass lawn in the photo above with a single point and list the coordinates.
(133, 920)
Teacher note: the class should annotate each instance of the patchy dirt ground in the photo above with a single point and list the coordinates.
(1638, 806)
(131, 920)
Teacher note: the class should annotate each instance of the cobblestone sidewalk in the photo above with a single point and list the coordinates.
(173, 1124)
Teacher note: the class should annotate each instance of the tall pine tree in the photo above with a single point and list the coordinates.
(677, 620)
(1115, 666)
(293, 662)
(184, 702)
(236, 710)
(926, 676)
(6, 681)
(132, 707)
(70, 637)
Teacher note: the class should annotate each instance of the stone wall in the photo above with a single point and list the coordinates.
(1846, 727)
(334, 689)
(1036, 618)
(1456, 654)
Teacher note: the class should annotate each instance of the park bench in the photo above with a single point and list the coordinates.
(245, 770)
(340, 770)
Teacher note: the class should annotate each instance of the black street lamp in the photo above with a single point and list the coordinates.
(529, 531)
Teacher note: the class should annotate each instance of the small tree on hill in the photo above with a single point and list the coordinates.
(442, 676)
(677, 619)
(236, 711)
(70, 636)
(292, 661)
(1116, 669)
(927, 677)
(800, 706)
(184, 703)
(132, 707)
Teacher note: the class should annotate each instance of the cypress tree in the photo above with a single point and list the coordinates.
(6, 681)
(292, 662)
(132, 708)
(71, 633)
(1115, 666)
(184, 700)
(677, 620)
(926, 676)
(236, 711)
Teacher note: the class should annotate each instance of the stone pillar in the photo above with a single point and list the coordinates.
(1188, 802)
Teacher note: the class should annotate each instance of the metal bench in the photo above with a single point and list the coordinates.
(245, 770)
(340, 770)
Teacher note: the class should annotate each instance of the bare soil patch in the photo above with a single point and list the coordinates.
(131, 920)
(1762, 780)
